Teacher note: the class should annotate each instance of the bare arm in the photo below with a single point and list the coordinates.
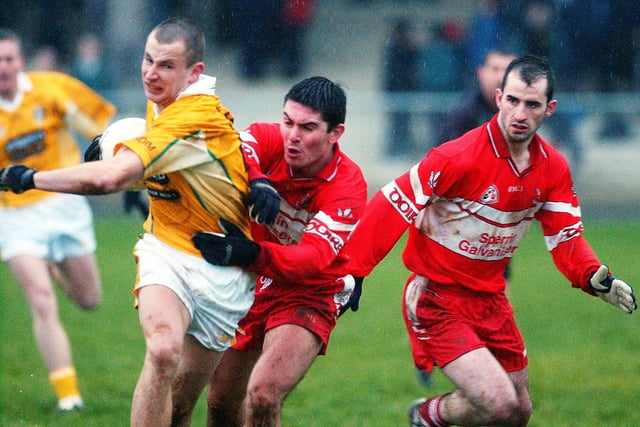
(99, 177)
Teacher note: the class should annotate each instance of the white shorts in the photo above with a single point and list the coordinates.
(217, 298)
(58, 227)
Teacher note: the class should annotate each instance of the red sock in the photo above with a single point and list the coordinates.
(430, 411)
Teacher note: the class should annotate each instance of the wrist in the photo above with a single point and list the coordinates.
(27, 181)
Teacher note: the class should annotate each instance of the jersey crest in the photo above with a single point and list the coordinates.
(490, 195)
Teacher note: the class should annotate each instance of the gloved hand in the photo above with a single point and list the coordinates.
(231, 248)
(354, 299)
(16, 178)
(264, 201)
(93, 151)
(613, 290)
(134, 200)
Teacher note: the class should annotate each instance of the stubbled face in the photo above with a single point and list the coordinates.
(490, 75)
(522, 108)
(11, 63)
(165, 72)
(308, 147)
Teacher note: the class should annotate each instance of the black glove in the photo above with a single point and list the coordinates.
(354, 299)
(16, 178)
(93, 151)
(134, 200)
(232, 248)
(264, 201)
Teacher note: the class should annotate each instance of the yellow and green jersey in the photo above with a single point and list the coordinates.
(36, 126)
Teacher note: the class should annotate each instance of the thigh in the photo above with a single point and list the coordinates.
(32, 274)
(287, 355)
(478, 375)
(83, 281)
(196, 366)
(228, 384)
(163, 317)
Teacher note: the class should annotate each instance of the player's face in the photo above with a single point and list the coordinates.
(308, 147)
(165, 72)
(490, 74)
(11, 63)
(522, 108)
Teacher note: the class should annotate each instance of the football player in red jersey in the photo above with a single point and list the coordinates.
(300, 265)
(467, 205)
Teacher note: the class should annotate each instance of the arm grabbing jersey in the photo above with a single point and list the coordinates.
(316, 214)
(469, 207)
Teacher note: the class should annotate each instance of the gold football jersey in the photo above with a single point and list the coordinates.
(36, 128)
(194, 170)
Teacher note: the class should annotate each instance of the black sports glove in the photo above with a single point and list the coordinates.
(232, 248)
(134, 200)
(16, 178)
(354, 299)
(264, 201)
(93, 151)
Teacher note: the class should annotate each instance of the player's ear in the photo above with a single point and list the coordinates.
(551, 107)
(195, 71)
(337, 132)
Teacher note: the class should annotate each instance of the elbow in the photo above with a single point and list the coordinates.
(107, 183)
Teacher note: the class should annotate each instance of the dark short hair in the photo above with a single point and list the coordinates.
(7, 34)
(172, 29)
(531, 68)
(322, 95)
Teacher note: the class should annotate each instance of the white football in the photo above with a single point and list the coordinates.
(121, 130)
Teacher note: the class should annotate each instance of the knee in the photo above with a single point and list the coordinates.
(88, 298)
(510, 411)
(163, 354)
(88, 303)
(264, 401)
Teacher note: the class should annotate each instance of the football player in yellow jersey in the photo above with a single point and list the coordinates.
(192, 164)
(38, 111)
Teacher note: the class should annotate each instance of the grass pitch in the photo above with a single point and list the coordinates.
(583, 353)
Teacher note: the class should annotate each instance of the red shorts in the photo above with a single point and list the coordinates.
(312, 308)
(446, 321)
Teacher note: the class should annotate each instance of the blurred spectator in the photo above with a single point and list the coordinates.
(88, 63)
(595, 51)
(486, 31)
(296, 17)
(259, 22)
(401, 55)
(537, 28)
(478, 104)
(440, 64)
(440, 68)
(45, 58)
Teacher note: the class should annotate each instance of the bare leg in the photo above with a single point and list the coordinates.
(287, 355)
(196, 367)
(486, 394)
(164, 321)
(82, 280)
(32, 274)
(228, 387)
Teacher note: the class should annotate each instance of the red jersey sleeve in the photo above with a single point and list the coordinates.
(562, 227)
(259, 155)
(387, 216)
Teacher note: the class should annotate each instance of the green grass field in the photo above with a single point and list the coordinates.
(583, 353)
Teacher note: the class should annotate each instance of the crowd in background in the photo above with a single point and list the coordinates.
(593, 45)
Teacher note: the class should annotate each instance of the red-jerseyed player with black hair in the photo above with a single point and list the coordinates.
(300, 265)
(467, 205)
